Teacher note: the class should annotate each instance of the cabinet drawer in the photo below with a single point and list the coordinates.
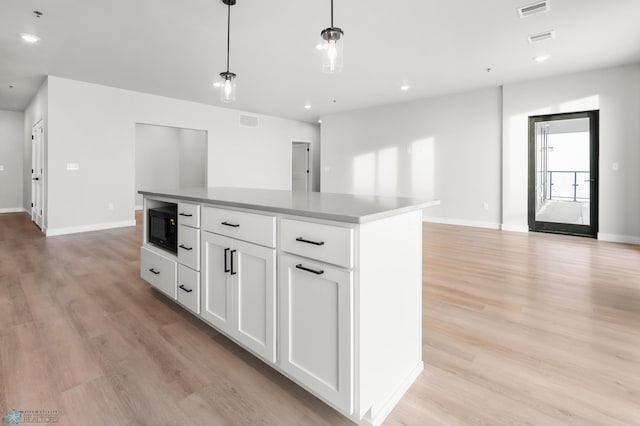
(255, 228)
(159, 271)
(189, 288)
(331, 244)
(189, 247)
(189, 214)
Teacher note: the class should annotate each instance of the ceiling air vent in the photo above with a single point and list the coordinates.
(541, 36)
(534, 9)
(248, 120)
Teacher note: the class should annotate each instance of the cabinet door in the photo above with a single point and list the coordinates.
(316, 328)
(254, 277)
(215, 297)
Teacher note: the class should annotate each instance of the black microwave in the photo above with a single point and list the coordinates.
(163, 227)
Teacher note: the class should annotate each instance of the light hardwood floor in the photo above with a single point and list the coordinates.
(526, 329)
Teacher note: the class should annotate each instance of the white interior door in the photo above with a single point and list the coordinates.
(300, 166)
(37, 175)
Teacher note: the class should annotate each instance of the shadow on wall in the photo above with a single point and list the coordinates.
(169, 158)
(380, 172)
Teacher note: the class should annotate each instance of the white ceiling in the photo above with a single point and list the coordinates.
(176, 48)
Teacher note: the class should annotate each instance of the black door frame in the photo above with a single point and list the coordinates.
(590, 230)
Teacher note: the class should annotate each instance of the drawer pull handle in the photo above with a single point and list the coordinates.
(153, 271)
(226, 267)
(313, 271)
(188, 290)
(315, 243)
(233, 225)
(182, 246)
(185, 214)
(232, 271)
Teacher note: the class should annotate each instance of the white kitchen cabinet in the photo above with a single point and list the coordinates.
(316, 328)
(238, 291)
(347, 282)
(160, 271)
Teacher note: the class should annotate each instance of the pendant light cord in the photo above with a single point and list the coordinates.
(331, 13)
(229, 30)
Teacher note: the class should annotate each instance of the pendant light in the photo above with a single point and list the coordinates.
(332, 48)
(228, 85)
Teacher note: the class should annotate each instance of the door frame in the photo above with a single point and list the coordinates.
(309, 163)
(37, 157)
(590, 230)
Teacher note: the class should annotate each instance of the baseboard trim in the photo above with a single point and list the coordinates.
(614, 238)
(461, 222)
(89, 228)
(397, 395)
(514, 228)
(14, 210)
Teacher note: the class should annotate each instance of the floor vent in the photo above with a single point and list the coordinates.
(248, 120)
(541, 36)
(534, 9)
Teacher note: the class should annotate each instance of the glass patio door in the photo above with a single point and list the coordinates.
(563, 173)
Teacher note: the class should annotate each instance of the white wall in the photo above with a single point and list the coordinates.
(616, 93)
(94, 126)
(446, 148)
(193, 158)
(168, 157)
(11, 168)
(38, 109)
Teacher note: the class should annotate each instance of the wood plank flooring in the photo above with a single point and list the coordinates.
(518, 329)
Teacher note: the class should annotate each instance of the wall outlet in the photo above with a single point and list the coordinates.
(1, 167)
(615, 166)
(111, 206)
(72, 166)
(485, 206)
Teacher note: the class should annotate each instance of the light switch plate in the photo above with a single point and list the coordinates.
(72, 166)
(1, 167)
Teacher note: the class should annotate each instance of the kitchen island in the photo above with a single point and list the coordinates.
(325, 288)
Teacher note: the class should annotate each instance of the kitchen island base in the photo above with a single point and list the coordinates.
(336, 306)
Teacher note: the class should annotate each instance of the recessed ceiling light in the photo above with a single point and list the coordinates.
(30, 38)
(320, 121)
(405, 87)
(307, 106)
(542, 58)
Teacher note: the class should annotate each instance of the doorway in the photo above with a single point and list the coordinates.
(563, 173)
(37, 174)
(300, 176)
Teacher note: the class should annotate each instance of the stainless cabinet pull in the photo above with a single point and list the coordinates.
(185, 214)
(188, 290)
(182, 246)
(313, 271)
(233, 225)
(315, 243)
(153, 271)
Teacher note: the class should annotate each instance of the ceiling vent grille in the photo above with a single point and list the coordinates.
(248, 120)
(541, 36)
(534, 9)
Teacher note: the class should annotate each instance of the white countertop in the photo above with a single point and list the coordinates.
(322, 205)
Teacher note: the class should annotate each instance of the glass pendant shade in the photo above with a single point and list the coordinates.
(332, 50)
(228, 89)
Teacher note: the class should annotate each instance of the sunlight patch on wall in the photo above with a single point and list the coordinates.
(387, 175)
(364, 173)
(423, 167)
(585, 104)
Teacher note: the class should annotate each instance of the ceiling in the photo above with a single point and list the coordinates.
(177, 48)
